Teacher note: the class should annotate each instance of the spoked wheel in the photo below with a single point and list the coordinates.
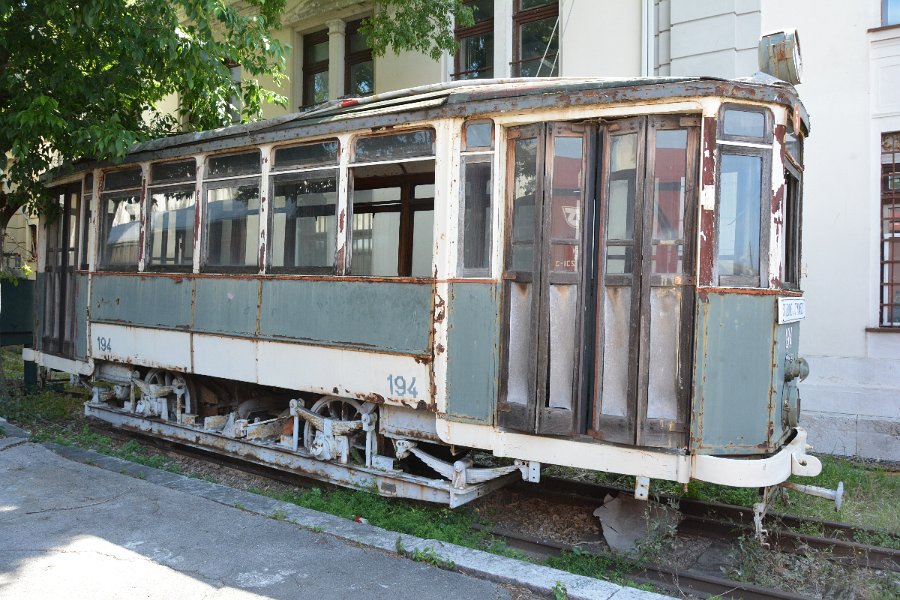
(340, 409)
(163, 377)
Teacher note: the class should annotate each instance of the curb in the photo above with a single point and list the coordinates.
(477, 563)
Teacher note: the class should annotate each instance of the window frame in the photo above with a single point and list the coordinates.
(793, 239)
(177, 184)
(87, 200)
(311, 69)
(215, 183)
(103, 234)
(475, 155)
(480, 28)
(764, 216)
(768, 127)
(523, 17)
(355, 58)
(888, 262)
(312, 172)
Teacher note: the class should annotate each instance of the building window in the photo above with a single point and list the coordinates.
(889, 309)
(890, 12)
(359, 71)
(475, 56)
(315, 68)
(536, 38)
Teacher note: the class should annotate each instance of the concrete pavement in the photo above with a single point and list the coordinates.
(69, 529)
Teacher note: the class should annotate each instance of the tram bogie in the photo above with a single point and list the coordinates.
(591, 273)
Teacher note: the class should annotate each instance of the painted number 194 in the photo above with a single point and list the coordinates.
(400, 387)
(104, 344)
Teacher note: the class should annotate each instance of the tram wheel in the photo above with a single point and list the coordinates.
(163, 377)
(340, 409)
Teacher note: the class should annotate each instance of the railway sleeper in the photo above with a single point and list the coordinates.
(334, 440)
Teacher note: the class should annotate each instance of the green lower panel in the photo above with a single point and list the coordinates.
(733, 377)
(473, 312)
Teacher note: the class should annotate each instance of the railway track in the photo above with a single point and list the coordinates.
(719, 521)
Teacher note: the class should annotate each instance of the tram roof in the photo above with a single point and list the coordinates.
(466, 98)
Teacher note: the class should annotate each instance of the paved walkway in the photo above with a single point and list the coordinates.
(72, 530)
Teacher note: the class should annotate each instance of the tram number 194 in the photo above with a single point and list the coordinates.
(400, 387)
(104, 344)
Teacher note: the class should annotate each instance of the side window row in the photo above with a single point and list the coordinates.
(391, 185)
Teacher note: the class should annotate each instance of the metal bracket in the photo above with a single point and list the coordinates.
(836, 494)
(641, 488)
(461, 473)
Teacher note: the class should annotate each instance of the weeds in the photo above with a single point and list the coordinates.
(428, 555)
(278, 515)
(559, 591)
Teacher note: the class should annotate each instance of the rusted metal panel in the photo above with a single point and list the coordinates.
(386, 316)
(226, 305)
(473, 352)
(138, 300)
(733, 380)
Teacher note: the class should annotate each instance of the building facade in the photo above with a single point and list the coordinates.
(851, 87)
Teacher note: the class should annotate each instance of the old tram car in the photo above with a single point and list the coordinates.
(594, 273)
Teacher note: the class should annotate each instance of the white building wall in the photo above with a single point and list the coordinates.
(851, 88)
(600, 38)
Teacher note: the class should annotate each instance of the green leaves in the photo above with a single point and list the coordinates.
(424, 26)
(83, 79)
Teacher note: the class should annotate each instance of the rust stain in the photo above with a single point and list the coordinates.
(440, 348)
(341, 218)
(708, 154)
(707, 246)
(439, 309)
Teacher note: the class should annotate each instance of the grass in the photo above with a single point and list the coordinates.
(12, 364)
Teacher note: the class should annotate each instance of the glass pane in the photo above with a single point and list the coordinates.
(231, 165)
(316, 53)
(563, 321)
(564, 258)
(482, 10)
(529, 4)
(568, 179)
(362, 78)
(618, 260)
(669, 172)
(476, 56)
(121, 229)
(662, 386)
(172, 226)
(377, 196)
(538, 46)
(424, 192)
(891, 14)
(376, 240)
(357, 41)
(479, 135)
(739, 215)
(315, 88)
(232, 226)
(305, 155)
(614, 360)
(398, 145)
(88, 185)
(476, 215)
(524, 205)
(183, 170)
(119, 180)
(423, 236)
(744, 123)
(303, 222)
(519, 364)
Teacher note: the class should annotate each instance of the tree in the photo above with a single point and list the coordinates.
(82, 79)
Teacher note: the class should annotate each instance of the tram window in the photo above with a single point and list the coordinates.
(306, 155)
(120, 205)
(740, 186)
(790, 257)
(171, 214)
(233, 165)
(523, 218)
(303, 222)
(479, 135)
(476, 214)
(395, 146)
(393, 221)
(232, 225)
(745, 124)
(87, 199)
